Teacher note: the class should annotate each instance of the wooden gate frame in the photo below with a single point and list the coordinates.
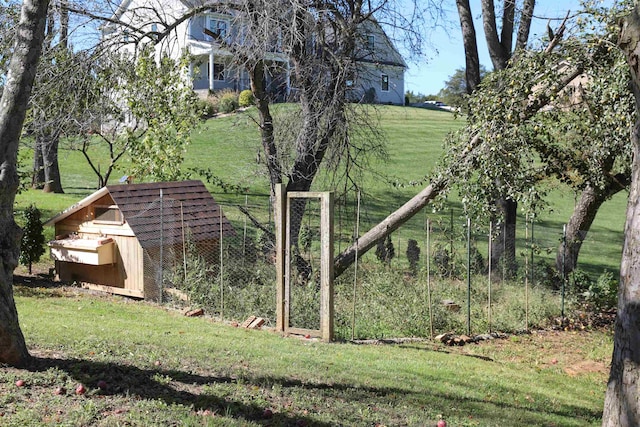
(282, 220)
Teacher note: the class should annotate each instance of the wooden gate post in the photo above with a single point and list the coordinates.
(279, 215)
(326, 267)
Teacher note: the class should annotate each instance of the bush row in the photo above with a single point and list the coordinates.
(225, 101)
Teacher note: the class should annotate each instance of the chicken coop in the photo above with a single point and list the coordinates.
(120, 238)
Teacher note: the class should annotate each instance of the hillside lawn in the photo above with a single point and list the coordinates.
(229, 147)
(161, 368)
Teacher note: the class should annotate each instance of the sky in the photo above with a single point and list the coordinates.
(428, 76)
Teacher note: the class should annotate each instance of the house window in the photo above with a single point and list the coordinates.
(107, 214)
(371, 41)
(218, 27)
(385, 83)
(218, 72)
(154, 28)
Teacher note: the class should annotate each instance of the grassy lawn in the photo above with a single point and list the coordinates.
(161, 368)
(229, 148)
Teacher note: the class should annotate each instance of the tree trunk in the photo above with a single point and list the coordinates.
(37, 179)
(525, 24)
(13, 106)
(503, 247)
(272, 157)
(472, 61)
(580, 222)
(49, 146)
(499, 50)
(622, 399)
(387, 226)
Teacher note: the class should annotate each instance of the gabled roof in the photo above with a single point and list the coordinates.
(187, 202)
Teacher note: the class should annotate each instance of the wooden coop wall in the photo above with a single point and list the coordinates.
(125, 275)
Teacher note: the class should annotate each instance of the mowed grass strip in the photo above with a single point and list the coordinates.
(161, 368)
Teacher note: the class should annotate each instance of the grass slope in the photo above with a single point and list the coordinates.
(229, 147)
(210, 368)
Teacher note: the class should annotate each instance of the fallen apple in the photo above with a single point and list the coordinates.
(20, 383)
(59, 391)
(442, 423)
(80, 389)
(307, 336)
(267, 413)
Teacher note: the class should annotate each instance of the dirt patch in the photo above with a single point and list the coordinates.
(586, 367)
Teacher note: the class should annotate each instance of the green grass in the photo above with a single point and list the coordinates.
(229, 147)
(237, 373)
(543, 379)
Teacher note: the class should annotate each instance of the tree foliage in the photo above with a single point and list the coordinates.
(581, 140)
(455, 89)
(139, 112)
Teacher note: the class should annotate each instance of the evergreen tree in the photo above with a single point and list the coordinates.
(31, 246)
(413, 255)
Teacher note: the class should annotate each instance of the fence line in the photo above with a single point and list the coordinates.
(426, 278)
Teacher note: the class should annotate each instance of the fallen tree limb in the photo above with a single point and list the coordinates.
(396, 219)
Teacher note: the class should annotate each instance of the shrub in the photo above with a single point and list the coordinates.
(476, 261)
(580, 281)
(546, 275)
(442, 261)
(385, 251)
(228, 102)
(246, 98)
(31, 245)
(206, 108)
(413, 255)
(603, 293)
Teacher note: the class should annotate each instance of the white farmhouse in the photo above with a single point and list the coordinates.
(380, 67)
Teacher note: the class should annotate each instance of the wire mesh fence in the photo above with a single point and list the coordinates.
(304, 263)
(437, 273)
(226, 269)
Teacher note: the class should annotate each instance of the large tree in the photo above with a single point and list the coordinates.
(499, 35)
(49, 112)
(622, 401)
(325, 45)
(13, 107)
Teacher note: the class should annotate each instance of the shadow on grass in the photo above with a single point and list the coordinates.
(180, 387)
(128, 380)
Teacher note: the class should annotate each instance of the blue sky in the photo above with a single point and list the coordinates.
(428, 77)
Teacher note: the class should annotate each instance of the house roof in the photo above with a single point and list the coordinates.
(143, 208)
